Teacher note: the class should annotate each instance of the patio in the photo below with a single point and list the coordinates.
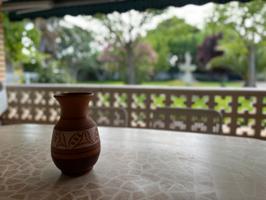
(135, 164)
(146, 153)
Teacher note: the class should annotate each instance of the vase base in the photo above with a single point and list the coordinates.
(75, 174)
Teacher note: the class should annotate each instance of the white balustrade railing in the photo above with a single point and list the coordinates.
(243, 110)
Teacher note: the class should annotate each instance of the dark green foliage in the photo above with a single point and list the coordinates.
(173, 37)
(22, 41)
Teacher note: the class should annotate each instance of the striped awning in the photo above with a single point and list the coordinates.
(20, 9)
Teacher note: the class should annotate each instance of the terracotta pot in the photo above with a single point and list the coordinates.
(75, 146)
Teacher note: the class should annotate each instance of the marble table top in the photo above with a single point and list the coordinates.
(135, 164)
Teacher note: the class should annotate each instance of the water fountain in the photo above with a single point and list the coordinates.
(187, 68)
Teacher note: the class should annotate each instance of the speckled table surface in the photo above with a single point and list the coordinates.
(135, 164)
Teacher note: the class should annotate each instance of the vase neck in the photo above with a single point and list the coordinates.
(73, 107)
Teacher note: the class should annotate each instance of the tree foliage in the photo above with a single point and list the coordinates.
(124, 45)
(74, 49)
(21, 43)
(208, 49)
(243, 26)
(49, 48)
(116, 58)
(131, 50)
(173, 37)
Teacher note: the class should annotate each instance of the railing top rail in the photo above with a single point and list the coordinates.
(135, 87)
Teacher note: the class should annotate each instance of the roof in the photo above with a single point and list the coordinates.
(20, 9)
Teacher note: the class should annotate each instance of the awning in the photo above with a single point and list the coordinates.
(20, 9)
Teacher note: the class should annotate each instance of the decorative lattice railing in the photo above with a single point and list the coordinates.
(243, 110)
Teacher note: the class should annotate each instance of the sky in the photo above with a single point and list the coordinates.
(193, 14)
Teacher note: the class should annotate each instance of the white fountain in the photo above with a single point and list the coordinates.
(187, 68)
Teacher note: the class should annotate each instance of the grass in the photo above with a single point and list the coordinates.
(196, 84)
(174, 83)
(105, 82)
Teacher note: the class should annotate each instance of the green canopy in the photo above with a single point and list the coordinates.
(19, 9)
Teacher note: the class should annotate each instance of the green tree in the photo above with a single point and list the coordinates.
(68, 46)
(143, 57)
(243, 26)
(21, 44)
(173, 37)
(75, 50)
(51, 48)
(124, 41)
(24, 52)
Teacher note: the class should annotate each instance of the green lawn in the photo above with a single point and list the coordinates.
(196, 84)
(174, 83)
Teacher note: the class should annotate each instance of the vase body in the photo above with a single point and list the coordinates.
(75, 145)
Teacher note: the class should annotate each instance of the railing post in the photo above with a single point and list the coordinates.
(211, 105)
(259, 112)
(233, 124)
(129, 107)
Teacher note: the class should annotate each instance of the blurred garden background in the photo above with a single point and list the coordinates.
(210, 45)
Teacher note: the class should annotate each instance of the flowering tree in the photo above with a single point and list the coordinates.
(124, 43)
(143, 57)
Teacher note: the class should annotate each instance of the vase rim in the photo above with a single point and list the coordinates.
(74, 94)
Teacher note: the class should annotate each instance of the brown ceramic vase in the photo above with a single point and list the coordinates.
(75, 145)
